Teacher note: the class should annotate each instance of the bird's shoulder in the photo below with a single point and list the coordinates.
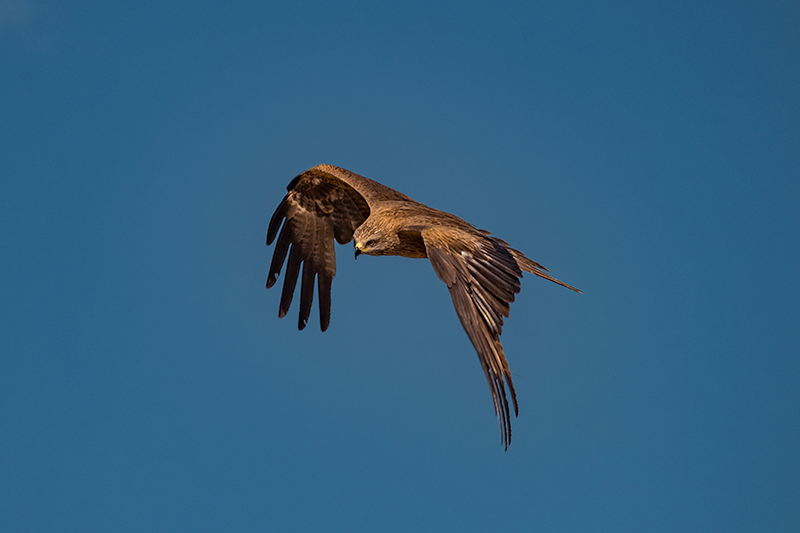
(374, 193)
(439, 228)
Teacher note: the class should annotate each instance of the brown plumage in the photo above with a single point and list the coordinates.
(482, 272)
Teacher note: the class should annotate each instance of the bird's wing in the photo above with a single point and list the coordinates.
(483, 277)
(323, 203)
(372, 191)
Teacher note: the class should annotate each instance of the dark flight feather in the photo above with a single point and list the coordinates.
(478, 308)
(318, 208)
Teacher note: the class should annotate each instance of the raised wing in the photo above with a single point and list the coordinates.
(372, 191)
(318, 208)
(483, 277)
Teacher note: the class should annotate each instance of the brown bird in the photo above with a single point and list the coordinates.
(482, 272)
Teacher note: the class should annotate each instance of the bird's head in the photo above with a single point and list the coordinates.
(371, 239)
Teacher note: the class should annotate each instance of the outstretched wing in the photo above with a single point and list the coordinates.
(483, 277)
(318, 208)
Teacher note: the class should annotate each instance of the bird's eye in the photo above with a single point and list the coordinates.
(370, 242)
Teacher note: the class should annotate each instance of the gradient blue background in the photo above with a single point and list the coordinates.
(646, 152)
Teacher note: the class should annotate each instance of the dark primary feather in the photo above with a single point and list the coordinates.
(482, 280)
(317, 209)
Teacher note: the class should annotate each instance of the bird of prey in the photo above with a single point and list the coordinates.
(482, 273)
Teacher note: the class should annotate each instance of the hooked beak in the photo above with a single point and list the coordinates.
(358, 250)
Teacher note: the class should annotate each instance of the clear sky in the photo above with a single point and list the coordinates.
(645, 152)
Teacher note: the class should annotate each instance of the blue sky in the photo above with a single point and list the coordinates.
(646, 152)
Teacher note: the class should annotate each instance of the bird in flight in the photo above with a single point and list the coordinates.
(482, 273)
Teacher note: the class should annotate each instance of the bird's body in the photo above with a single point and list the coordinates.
(481, 272)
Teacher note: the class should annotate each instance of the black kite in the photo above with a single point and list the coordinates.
(482, 272)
